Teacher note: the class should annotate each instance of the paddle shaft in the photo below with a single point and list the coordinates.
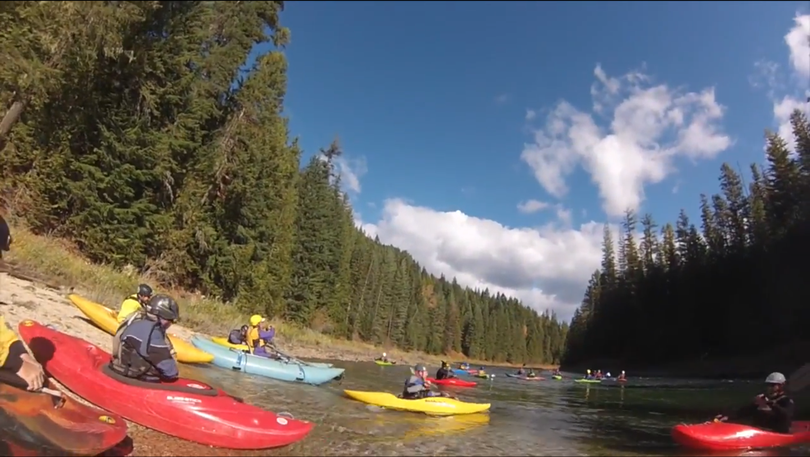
(799, 379)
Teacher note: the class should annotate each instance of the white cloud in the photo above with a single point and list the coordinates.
(798, 40)
(650, 127)
(350, 171)
(530, 114)
(502, 98)
(795, 97)
(545, 267)
(532, 206)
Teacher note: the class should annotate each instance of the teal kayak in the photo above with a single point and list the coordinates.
(234, 359)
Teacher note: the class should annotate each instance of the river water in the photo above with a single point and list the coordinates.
(527, 418)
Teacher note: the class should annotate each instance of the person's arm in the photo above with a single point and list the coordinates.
(160, 356)
(9, 342)
(783, 409)
(267, 335)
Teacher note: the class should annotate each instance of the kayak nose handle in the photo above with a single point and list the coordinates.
(285, 414)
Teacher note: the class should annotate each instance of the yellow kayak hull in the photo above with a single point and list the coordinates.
(434, 406)
(384, 364)
(107, 320)
(224, 342)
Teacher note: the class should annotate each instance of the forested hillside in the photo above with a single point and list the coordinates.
(734, 286)
(131, 131)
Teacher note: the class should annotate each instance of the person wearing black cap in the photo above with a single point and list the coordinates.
(445, 372)
(135, 302)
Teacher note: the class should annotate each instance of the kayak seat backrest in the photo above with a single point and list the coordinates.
(157, 385)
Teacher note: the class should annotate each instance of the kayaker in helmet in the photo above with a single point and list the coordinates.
(16, 360)
(588, 374)
(556, 372)
(481, 372)
(259, 336)
(417, 386)
(384, 358)
(5, 236)
(135, 302)
(622, 376)
(771, 410)
(522, 369)
(445, 372)
(238, 335)
(531, 373)
(141, 349)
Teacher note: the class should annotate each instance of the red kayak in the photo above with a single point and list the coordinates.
(453, 382)
(724, 436)
(185, 408)
(42, 424)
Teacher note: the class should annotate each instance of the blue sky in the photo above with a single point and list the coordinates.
(452, 114)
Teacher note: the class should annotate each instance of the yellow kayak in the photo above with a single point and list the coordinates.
(107, 320)
(384, 364)
(224, 342)
(433, 406)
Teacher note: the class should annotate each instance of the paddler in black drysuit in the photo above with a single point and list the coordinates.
(445, 372)
(522, 370)
(141, 349)
(238, 335)
(772, 410)
(417, 386)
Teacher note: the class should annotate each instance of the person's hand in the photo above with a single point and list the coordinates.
(761, 401)
(428, 383)
(31, 372)
(720, 418)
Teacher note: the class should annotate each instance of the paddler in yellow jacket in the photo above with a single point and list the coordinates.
(135, 302)
(15, 359)
(259, 336)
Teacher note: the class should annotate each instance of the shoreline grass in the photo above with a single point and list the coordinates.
(59, 263)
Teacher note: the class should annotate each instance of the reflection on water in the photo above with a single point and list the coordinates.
(527, 418)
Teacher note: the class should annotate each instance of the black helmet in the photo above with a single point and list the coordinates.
(244, 329)
(144, 290)
(165, 307)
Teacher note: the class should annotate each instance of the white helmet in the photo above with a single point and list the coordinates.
(383, 354)
(775, 378)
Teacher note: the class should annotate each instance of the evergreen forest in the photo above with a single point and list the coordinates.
(730, 285)
(139, 132)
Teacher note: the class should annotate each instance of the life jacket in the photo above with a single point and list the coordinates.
(127, 361)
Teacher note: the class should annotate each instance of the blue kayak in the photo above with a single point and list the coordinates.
(459, 371)
(234, 359)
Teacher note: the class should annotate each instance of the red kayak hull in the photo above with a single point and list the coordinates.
(43, 425)
(724, 436)
(186, 408)
(453, 382)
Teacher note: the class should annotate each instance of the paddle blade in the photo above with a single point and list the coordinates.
(800, 379)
